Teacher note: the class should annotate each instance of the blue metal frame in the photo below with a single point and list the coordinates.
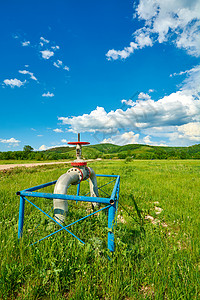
(111, 205)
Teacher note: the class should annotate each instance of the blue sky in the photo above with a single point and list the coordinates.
(116, 71)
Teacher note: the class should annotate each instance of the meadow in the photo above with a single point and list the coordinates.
(156, 238)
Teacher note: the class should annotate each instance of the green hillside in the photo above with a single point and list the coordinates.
(135, 151)
(107, 151)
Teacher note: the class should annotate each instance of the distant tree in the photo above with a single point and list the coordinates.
(27, 148)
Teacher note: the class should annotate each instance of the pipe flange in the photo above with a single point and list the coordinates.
(79, 172)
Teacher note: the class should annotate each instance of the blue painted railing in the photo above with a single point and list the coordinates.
(111, 205)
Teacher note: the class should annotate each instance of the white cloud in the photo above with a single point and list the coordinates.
(40, 135)
(190, 131)
(66, 68)
(176, 109)
(58, 130)
(64, 141)
(46, 54)
(123, 54)
(14, 82)
(55, 47)
(142, 38)
(144, 96)
(43, 148)
(27, 72)
(123, 139)
(26, 43)
(56, 65)
(44, 40)
(177, 22)
(59, 64)
(189, 72)
(48, 94)
(11, 141)
(148, 141)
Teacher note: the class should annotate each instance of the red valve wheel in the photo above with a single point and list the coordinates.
(78, 143)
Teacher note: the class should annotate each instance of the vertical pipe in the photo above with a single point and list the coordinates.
(21, 217)
(111, 219)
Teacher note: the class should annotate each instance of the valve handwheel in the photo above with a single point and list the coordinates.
(78, 143)
(78, 162)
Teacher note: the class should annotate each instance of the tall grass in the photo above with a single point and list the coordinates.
(155, 258)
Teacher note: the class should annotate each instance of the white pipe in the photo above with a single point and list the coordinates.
(62, 184)
(93, 186)
(73, 176)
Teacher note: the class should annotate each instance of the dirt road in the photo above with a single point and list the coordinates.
(11, 166)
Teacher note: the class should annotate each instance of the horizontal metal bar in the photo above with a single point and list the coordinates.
(65, 197)
(54, 220)
(115, 188)
(70, 225)
(34, 188)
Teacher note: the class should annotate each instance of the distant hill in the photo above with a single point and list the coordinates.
(136, 151)
(107, 151)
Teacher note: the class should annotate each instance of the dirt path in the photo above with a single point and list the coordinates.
(11, 166)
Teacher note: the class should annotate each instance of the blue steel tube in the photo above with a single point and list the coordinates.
(111, 220)
(21, 217)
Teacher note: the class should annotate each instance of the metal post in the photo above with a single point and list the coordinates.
(78, 190)
(111, 219)
(21, 217)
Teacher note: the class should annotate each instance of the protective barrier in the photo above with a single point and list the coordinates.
(111, 203)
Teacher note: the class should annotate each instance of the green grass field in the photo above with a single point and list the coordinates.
(157, 254)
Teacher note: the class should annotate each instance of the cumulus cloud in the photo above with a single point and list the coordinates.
(46, 54)
(123, 139)
(48, 95)
(11, 141)
(176, 109)
(43, 148)
(190, 131)
(44, 40)
(177, 22)
(26, 43)
(58, 130)
(29, 73)
(59, 64)
(175, 117)
(66, 68)
(144, 96)
(14, 82)
(64, 141)
(123, 54)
